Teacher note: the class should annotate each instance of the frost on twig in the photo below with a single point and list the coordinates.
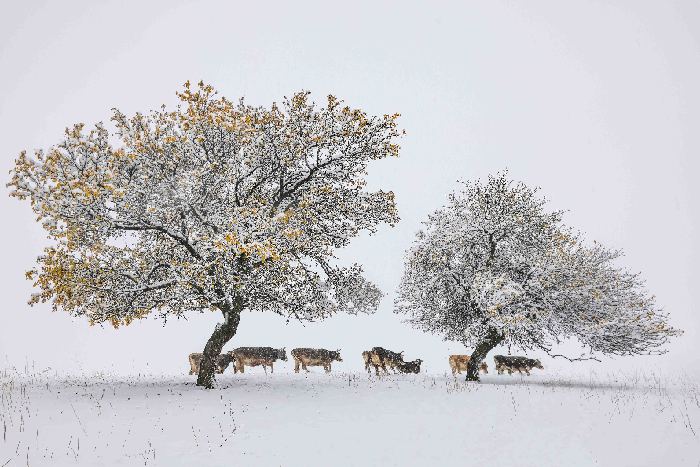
(495, 265)
(213, 205)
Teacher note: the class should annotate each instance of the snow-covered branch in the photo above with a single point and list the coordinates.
(494, 262)
(207, 205)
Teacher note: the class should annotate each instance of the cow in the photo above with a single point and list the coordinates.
(513, 363)
(410, 367)
(459, 363)
(314, 357)
(381, 357)
(255, 356)
(222, 361)
(389, 358)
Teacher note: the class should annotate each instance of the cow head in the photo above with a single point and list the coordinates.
(538, 364)
(416, 365)
(226, 358)
(282, 354)
(223, 361)
(484, 367)
(335, 355)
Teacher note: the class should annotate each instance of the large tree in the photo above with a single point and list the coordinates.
(215, 205)
(494, 267)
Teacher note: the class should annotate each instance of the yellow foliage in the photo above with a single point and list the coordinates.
(293, 233)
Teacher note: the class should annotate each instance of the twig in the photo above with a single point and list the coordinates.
(579, 359)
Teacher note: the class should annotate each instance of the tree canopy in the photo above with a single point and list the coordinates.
(494, 267)
(213, 205)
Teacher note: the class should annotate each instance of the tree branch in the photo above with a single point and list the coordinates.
(143, 227)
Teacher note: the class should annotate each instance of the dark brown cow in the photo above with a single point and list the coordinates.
(410, 367)
(314, 357)
(514, 363)
(255, 356)
(222, 361)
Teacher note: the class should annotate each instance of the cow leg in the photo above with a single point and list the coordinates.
(303, 365)
(327, 368)
(272, 368)
(194, 366)
(296, 365)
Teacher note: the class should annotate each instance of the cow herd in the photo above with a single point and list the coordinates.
(377, 358)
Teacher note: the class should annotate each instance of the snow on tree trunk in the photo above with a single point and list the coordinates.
(223, 333)
(480, 352)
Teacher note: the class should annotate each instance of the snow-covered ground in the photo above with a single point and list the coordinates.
(349, 419)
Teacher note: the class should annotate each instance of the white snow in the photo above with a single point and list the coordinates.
(349, 419)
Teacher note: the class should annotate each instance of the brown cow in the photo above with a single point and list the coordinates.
(255, 356)
(315, 357)
(222, 361)
(459, 363)
(380, 357)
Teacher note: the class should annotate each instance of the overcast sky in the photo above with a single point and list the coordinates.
(597, 102)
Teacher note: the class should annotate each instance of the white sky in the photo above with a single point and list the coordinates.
(597, 102)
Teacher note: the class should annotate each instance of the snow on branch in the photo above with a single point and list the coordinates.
(208, 204)
(494, 262)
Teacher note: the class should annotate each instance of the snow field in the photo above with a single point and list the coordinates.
(348, 419)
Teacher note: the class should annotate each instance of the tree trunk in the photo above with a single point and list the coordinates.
(223, 332)
(492, 339)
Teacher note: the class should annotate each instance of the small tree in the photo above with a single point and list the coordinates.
(493, 267)
(215, 205)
